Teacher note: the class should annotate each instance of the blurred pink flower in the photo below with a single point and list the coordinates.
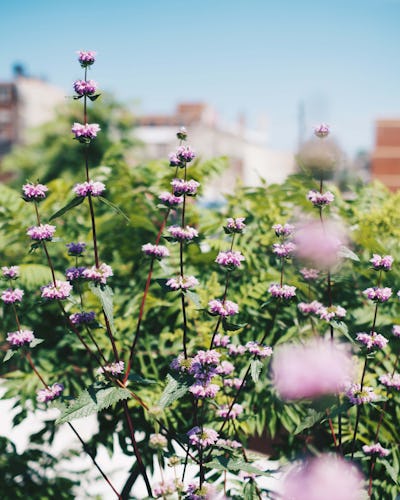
(319, 244)
(327, 477)
(310, 370)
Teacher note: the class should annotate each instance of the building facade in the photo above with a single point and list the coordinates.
(386, 156)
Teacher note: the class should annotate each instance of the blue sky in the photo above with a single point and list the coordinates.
(258, 57)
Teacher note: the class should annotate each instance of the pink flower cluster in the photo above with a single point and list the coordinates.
(183, 234)
(20, 338)
(85, 87)
(74, 273)
(180, 187)
(86, 57)
(85, 133)
(396, 330)
(390, 380)
(224, 309)
(230, 259)
(310, 370)
(378, 294)
(61, 290)
(372, 340)
(34, 192)
(282, 292)
(235, 225)
(113, 368)
(182, 282)
(285, 230)
(229, 443)
(236, 383)
(202, 437)
(321, 130)
(261, 351)
(156, 251)
(376, 449)
(170, 199)
(98, 274)
(327, 477)
(224, 412)
(382, 263)
(166, 488)
(285, 249)
(11, 272)
(332, 312)
(359, 396)
(50, 393)
(183, 155)
(157, 441)
(221, 340)
(44, 232)
(94, 188)
(12, 295)
(320, 199)
(309, 307)
(309, 273)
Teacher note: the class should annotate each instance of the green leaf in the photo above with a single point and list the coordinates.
(106, 298)
(346, 253)
(9, 354)
(222, 462)
(177, 386)
(341, 327)
(95, 398)
(313, 417)
(73, 203)
(255, 369)
(193, 297)
(391, 471)
(94, 97)
(232, 327)
(35, 342)
(114, 207)
(137, 379)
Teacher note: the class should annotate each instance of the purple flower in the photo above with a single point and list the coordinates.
(86, 57)
(262, 351)
(20, 338)
(202, 437)
(182, 282)
(113, 368)
(331, 312)
(50, 393)
(83, 318)
(182, 234)
(236, 350)
(61, 290)
(229, 443)
(310, 308)
(74, 273)
(390, 380)
(34, 192)
(235, 225)
(372, 340)
(321, 130)
(180, 187)
(94, 188)
(378, 294)
(11, 272)
(83, 87)
(225, 368)
(382, 263)
(224, 412)
(44, 232)
(359, 396)
(12, 295)
(156, 251)
(98, 274)
(320, 200)
(227, 308)
(229, 259)
(170, 199)
(236, 383)
(376, 449)
(201, 391)
(309, 273)
(285, 230)
(282, 292)
(396, 330)
(85, 133)
(284, 249)
(221, 341)
(183, 155)
(76, 249)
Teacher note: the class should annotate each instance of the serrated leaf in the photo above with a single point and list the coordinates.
(35, 342)
(95, 398)
(166, 269)
(177, 386)
(255, 369)
(106, 298)
(114, 207)
(193, 297)
(346, 253)
(9, 355)
(73, 203)
(223, 462)
(341, 327)
(390, 470)
(313, 417)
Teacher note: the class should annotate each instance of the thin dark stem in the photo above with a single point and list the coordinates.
(92, 218)
(181, 266)
(16, 317)
(30, 361)
(96, 344)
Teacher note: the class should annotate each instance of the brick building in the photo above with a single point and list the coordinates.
(386, 156)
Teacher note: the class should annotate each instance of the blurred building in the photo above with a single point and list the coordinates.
(249, 157)
(25, 103)
(386, 156)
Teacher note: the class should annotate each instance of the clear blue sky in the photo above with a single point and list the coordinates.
(260, 57)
